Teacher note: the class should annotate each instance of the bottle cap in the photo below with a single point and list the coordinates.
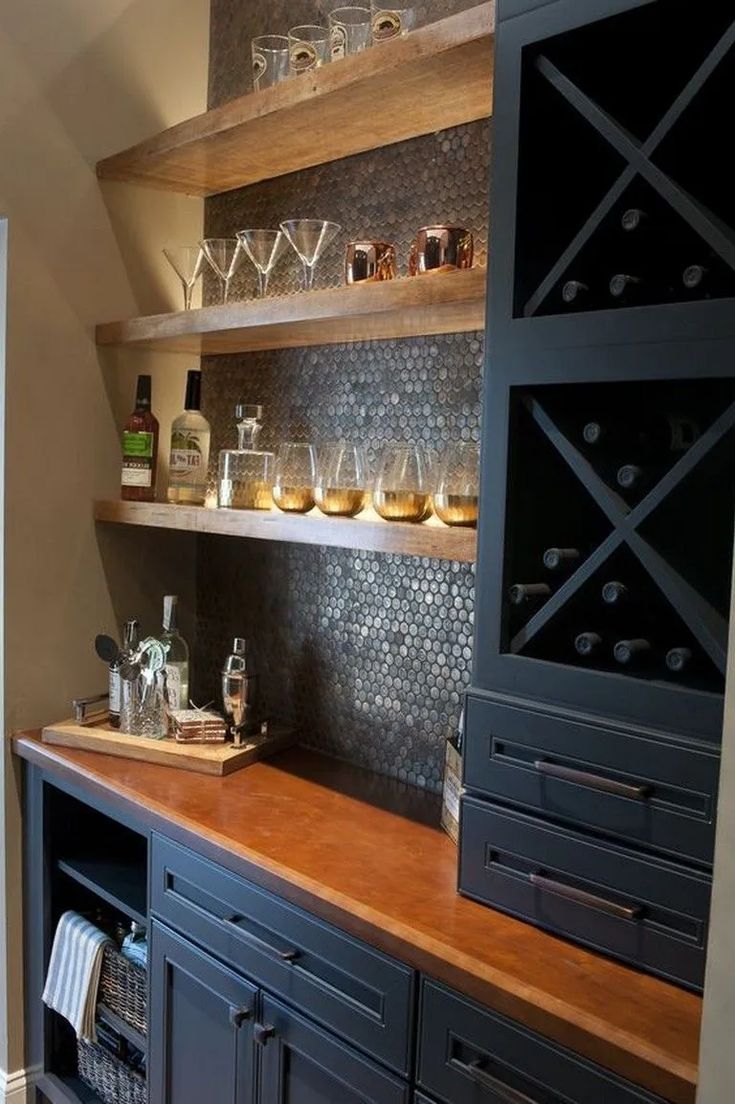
(143, 393)
(131, 631)
(193, 399)
(170, 602)
(248, 412)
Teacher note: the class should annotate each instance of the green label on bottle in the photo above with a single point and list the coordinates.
(138, 444)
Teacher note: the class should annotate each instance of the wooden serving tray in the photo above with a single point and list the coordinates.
(217, 759)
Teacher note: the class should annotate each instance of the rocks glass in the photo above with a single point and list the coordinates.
(349, 31)
(308, 48)
(389, 22)
(403, 483)
(457, 485)
(270, 60)
(342, 479)
(294, 477)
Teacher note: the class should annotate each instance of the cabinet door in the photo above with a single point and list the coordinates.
(302, 1064)
(201, 1026)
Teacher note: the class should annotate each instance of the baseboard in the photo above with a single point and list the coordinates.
(15, 1087)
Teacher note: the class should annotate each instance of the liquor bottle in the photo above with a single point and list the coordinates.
(130, 643)
(615, 593)
(189, 457)
(587, 644)
(623, 285)
(573, 290)
(520, 593)
(177, 658)
(140, 448)
(630, 651)
(678, 659)
(557, 558)
(633, 219)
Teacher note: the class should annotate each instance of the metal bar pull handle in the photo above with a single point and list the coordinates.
(582, 897)
(592, 781)
(289, 955)
(501, 1091)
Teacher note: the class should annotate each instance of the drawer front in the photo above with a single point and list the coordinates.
(468, 1055)
(361, 994)
(639, 789)
(647, 911)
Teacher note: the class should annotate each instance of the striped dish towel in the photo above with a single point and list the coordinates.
(74, 973)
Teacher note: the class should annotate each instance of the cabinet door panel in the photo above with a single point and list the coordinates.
(201, 1029)
(301, 1064)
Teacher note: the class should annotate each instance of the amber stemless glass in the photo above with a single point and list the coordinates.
(457, 485)
(403, 483)
(342, 480)
(294, 477)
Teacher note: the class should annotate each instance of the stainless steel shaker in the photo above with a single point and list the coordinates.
(240, 690)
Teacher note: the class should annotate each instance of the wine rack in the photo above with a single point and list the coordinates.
(636, 206)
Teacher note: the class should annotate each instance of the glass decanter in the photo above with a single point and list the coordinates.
(245, 473)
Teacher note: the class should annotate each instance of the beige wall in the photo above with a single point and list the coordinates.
(80, 79)
(717, 1057)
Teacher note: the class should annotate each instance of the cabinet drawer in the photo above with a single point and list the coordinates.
(648, 911)
(641, 789)
(468, 1055)
(359, 993)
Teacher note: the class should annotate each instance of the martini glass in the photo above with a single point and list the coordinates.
(224, 256)
(263, 247)
(187, 261)
(310, 237)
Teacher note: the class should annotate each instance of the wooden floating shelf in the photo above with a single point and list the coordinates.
(436, 77)
(366, 532)
(445, 302)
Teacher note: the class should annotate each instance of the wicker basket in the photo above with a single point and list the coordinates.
(124, 989)
(109, 1077)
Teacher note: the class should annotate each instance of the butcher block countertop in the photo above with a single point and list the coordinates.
(365, 854)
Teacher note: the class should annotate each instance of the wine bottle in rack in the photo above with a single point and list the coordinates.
(622, 285)
(521, 593)
(635, 218)
(588, 644)
(615, 593)
(632, 651)
(678, 660)
(647, 436)
(694, 277)
(574, 290)
(555, 559)
(630, 477)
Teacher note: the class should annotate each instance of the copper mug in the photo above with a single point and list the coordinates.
(440, 249)
(370, 260)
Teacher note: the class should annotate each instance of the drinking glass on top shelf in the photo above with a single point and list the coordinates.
(270, 60)
(294, 477)
(308, 48)
(342, 479)
(349, 31)
(187, 261)
(263, 248)
(389, 22)
(310, 237)
(457, 485)
(224, 256)
(403, 483)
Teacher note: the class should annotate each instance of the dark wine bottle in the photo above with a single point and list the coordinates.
(633, 219)
(572, 290)
(629, 651)
(520, 593)
(587, 644)
(678, 659)
(694, 276)
(630, 476)
(557, 558)
(650, 435)
(622, 284)
(615, 593)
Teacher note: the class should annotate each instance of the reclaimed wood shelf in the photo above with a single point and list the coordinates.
(366, 532)
(436, 77)
(446, 302)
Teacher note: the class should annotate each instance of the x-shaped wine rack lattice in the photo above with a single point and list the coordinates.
(705, 623)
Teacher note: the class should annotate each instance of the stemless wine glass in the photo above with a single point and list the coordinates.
(224, 256)
(342, 479)
(263, 247)
(403, 483)
(187, 261)
(457, 485)
(389, 22)
(270, 60)
(310, 237)
(349, 31)
(294, 477)
(308, 48)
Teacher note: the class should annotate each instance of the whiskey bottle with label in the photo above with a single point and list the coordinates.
(140, 448)
(189, 456)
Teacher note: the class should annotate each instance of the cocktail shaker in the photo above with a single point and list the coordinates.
(240, 690)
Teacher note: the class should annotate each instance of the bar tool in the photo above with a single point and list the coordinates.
(239, 690)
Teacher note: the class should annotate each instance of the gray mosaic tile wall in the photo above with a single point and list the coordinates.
(366, 654)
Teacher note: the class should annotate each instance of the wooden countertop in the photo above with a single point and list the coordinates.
(365, 853)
